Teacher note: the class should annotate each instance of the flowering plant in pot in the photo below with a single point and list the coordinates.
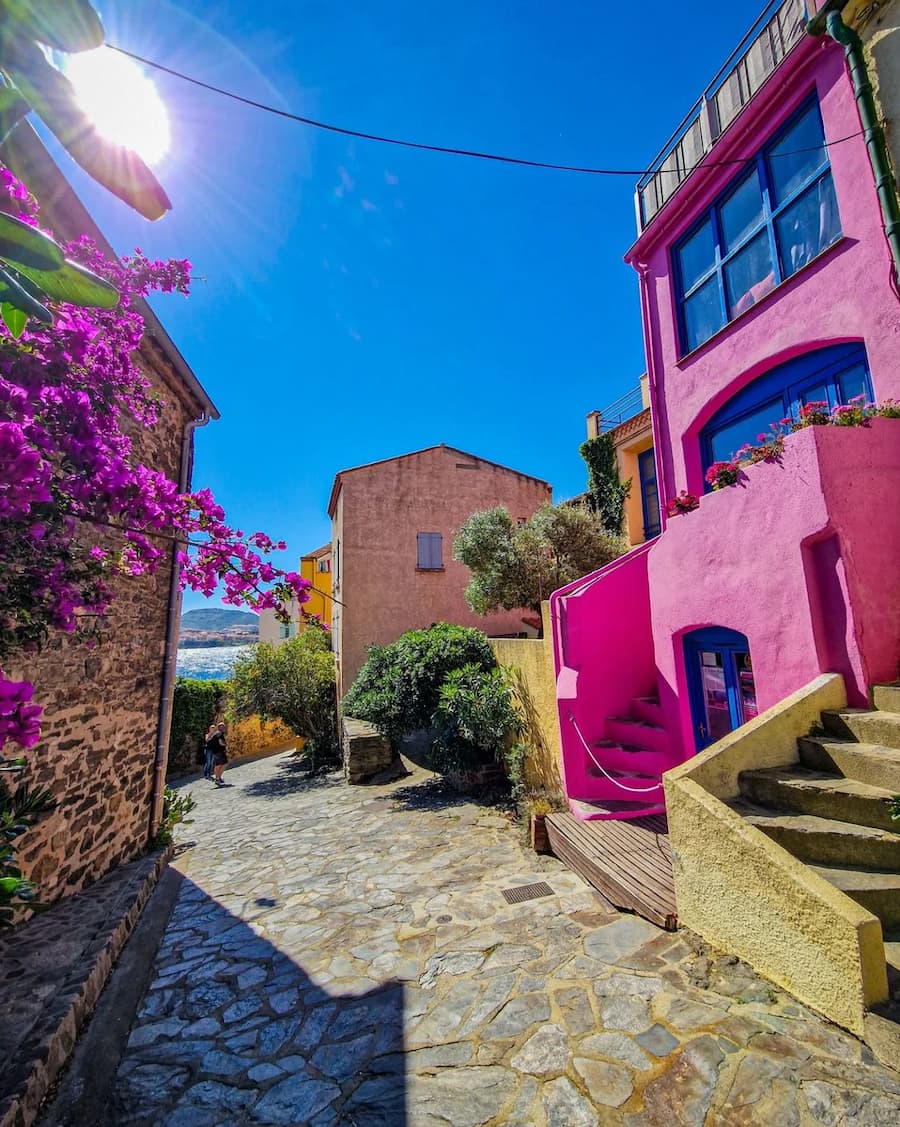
(721, 474)
(684, 502)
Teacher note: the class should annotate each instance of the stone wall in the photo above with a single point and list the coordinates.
(101, 706)
(366, 752)
(532, 663)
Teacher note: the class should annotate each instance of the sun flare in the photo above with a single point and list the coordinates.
(121, 101)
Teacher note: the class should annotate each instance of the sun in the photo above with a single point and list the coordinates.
(121, 101)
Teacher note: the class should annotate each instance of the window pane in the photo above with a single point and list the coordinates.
(808, 226)
(649, 494)
(726, 441)
(696, 256)
(741, 212)
(749, 275)
(818, 394)
(797, 156)
(854, 382)
(703, 314)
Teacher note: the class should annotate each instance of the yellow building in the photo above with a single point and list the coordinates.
(315, 567)
(627, 421)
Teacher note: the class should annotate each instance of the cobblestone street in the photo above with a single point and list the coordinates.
(344, 955)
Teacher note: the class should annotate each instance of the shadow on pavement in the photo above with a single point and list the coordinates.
(232, 1030)
(432, 794)
(291, 779)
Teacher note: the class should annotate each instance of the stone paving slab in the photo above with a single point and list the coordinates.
(52, 970)
(338, 956)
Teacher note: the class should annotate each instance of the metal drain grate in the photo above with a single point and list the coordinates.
(527, 892)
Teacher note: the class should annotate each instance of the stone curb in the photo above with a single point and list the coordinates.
(52, 1039)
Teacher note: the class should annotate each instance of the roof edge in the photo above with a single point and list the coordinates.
(29, 158)
(335, 488)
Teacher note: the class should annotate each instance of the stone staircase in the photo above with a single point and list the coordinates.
(632, 758)
(831, 811)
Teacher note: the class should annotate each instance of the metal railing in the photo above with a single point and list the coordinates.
(621, 409)
(778, 28)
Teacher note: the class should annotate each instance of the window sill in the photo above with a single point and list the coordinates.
(430, 569)
(688, 357)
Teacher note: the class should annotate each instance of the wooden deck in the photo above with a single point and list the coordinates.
(629, 862)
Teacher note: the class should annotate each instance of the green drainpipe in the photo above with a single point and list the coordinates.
(829, 21)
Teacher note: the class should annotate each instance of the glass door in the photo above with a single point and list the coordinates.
(720, 681)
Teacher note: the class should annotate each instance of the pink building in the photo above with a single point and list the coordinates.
(392, 566)
(767, 283)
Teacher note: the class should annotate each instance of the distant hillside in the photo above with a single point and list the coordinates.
(217, 618)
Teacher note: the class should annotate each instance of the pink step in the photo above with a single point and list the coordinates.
(637, 733)
(615, 757)
(586, 811)
(624, 787)
(647, 709)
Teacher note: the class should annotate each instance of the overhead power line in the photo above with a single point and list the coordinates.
(422, 146)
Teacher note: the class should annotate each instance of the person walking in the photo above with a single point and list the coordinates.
(219, 755)
(208, 752)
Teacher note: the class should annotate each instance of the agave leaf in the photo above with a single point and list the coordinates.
(14, 319)
(73, 283)
(65, 25)
(14, 294)
(52, 97)
(23, 245)
(13, 108)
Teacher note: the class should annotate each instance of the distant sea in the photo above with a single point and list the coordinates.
(212, 664)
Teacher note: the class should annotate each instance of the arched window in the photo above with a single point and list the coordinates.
(831, 375)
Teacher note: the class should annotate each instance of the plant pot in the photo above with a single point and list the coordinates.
(540, 842)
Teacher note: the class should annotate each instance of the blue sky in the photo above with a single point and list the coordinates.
(358, 301)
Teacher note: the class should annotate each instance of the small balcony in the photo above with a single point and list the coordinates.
(761, 51)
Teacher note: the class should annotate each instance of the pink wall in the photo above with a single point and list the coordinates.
(802, 556)
(376, 515)
(844, 295)
(603, 654)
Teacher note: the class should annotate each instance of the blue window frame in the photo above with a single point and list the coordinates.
(649, 493)
(834, 375)
(772, 220)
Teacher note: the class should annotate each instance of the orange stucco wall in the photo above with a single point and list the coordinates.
(376, 514)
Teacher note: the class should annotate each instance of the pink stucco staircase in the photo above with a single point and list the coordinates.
(633, 756)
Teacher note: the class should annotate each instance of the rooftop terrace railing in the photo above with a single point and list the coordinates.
(777, 29)
(622, 409)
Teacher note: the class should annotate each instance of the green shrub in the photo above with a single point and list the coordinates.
(19, 811)
(399, 687)
(194, 708)
(475, 718)
(292, 682)
(176, 808)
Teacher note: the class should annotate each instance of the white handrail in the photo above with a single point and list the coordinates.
(612, 778)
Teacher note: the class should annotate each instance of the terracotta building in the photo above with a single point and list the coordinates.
(392, 565)
(107, 711)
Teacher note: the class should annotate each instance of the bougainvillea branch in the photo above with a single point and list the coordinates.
(77, 507)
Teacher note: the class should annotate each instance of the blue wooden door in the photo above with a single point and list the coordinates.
(720, 682)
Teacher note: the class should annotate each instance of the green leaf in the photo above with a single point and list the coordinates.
(52, 97)
(14, 294)
(9, 885)
(24, 245)
(65, 25)
(73, 283)
(13, 108)
(14, 319)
